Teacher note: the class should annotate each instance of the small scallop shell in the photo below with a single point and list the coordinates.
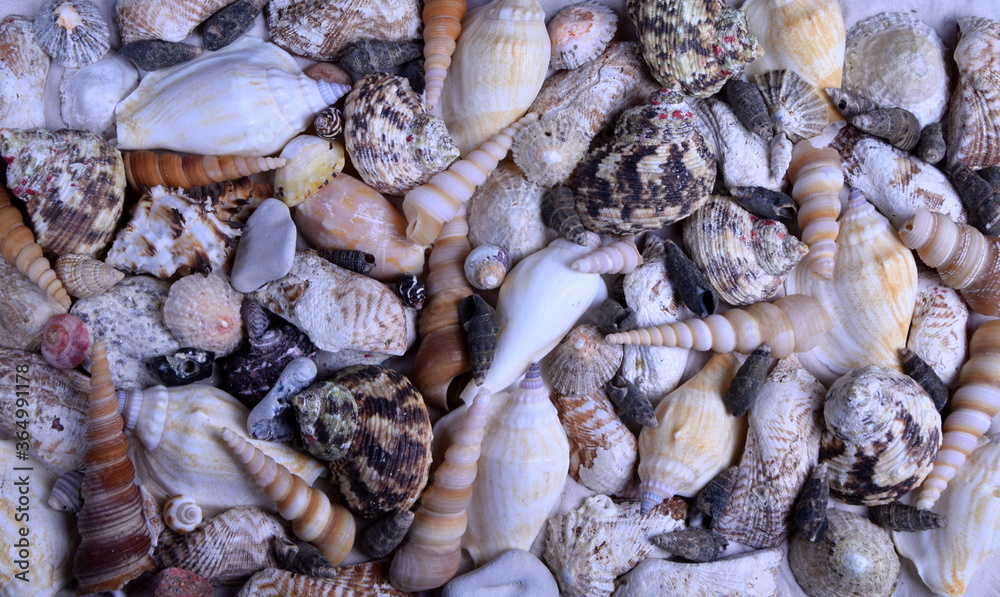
(883, 434)
(795, 108)
(24, 66)
(181, 514)
(73, 32)
(974, 111)
(204, 312)
(486, 266)
(602, 450)
(65, 341)
(583, 362)
(910, 59)
(579, 33)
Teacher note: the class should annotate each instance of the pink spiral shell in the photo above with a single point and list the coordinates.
(65, 341)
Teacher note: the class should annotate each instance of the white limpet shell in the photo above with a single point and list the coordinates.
(753, 573)
(938, 329)
(88, 96)
(22, 75)
(254, 100)
(579, 33)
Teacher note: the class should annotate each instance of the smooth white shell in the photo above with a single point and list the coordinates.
(89, 95)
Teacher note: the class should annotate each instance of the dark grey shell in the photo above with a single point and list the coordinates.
(559, 214)
(978, 198)
(897, 516)
(251, 372)
(229, 23)
(810, 509)
(373, 421)
(749, 381)
(924, 374)
(697, 545)
(713, 499)
(73, 46)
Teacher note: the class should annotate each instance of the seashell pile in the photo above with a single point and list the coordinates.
(216, 276)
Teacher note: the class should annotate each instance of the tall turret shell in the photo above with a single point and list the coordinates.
(72, 182)
(657, 170)
(678, 457)
(882, 435)
(697, 44)
(974, 114)
(393, 143)
(186, 171)
(965, 259)
(870, 296)
(973, 406)
(805, 36)
(602, 450)
(522, 469)
(817, 178)
(18, 248)
(938, 329)
(946, 558)
(744, 257)
(911, 70)
(116, 544)
(540, 300)
(256, 100)
(616, 257)
(478, 102)
(442, 26)
(23, 70)
(162, 19)
(782, 442)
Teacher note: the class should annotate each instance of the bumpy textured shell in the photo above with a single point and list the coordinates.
(816, 175)
(574, 106)
(322, 30)
(24, 67)
(579, 33)
(748, 104)
(251, 372)
(699, 45)
(506, 211)
(896, 125)
(979, 199)
(744, 157)
(583, 361)
(371, 579)
(896, 60)
(84, 276)
(745, 257)
(73, 32)
(938, 328)
(657, 170)
(974, 114)
(376, 425)
(795, 108)
(589, 547)
(882, 436)
(393, 143)
(204, 312)
(162, 19)
(226, 549)
(72, 182)
(752, 573)
(602, 450)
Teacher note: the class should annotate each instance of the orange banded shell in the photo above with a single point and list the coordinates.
(186, 171)
(18, 247)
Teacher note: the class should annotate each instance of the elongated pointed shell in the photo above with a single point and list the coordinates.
(115, 541)
(18, 247)
(23, 70)
(442, 25)
(974, 404)
(817, 179)
(84, 276)
(616, 257)
(974, 115)
(186, 171)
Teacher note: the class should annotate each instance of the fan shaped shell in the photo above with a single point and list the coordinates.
(73, 32)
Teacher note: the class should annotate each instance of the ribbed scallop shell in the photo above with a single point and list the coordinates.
(73, 32)
(782, 442)
(393, 143)
(506, 211)
(226, 549)
(181, 514)
(937, 330)
(85, 276)
(478, 102)
(370, 579)
(910, 59)
(204, 312)
(602, 450)
(72, 182)
(746, 258)
(870, 296)
(322, 30)
(583, 362)
(24, 67)
(795, 108)
(974, 114)
(882, 436)
(657, 170)
(579, 33)
(698, 45)
(168, 20)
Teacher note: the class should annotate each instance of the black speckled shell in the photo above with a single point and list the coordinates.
(657, 170)
(383, 439)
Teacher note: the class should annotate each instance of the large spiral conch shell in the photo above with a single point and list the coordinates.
(116, 544)
(793, 323)
(430, 205)
(817, 179)
(966, 260)
(442, 25)
(18, 247)
(973, 406)
(326, 524)
(185, 171)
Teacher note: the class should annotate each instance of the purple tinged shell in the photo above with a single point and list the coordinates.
(251, 371)
(65, 341)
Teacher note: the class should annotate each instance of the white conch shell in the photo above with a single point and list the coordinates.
(753, 573)
(938, 329)
(496, 71)
(946, 558)
(178, 451)
(743, 156)
(521, 471)
(88, 96)
(247, 99)
(870, 296)
(540, 300)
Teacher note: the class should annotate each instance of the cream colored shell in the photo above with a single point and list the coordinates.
(938, 329)
(752, 573)
(23, 69)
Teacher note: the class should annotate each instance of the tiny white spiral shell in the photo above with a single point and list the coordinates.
(181, 514)
(617, 257)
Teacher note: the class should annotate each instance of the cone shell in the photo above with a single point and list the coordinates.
(911, 70)
(796, 110)
(322, 31)
(937, 331)
(782, 441)
(744, 257)
(882, 436)
(186, 171)
(371, 579)
(698, 45)
(72, 182)
(393, 143)
(115, 541)
(73, 32)
(204, 312)
(226, 549)
(24, 67)
(85, 276)
(657, 170)
(974, 114)
(161, 19)
(579, 33)
(602, 450)
(477, 102)
(442, 25)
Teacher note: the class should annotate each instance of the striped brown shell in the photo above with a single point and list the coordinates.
(361, 579)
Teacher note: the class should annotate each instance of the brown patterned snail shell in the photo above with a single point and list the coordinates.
(657, 170)
(882, 436)
(371, 423)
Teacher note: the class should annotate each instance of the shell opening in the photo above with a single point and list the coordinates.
(69, 19)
